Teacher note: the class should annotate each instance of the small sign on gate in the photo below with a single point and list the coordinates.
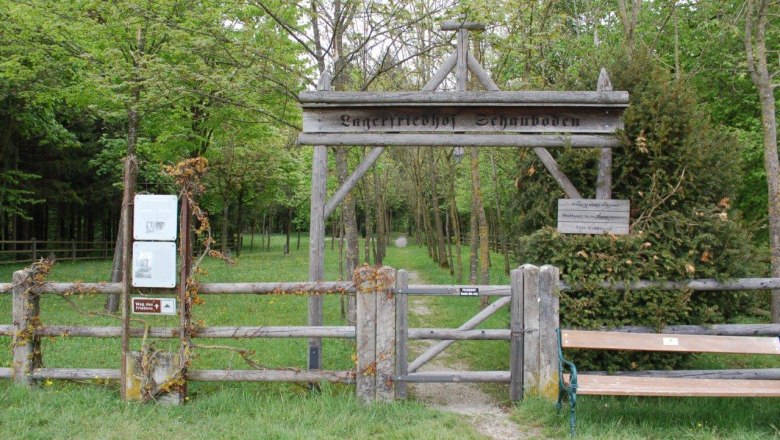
(154, 306)
(469, 291)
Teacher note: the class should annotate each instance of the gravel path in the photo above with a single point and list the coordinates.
(480, 409)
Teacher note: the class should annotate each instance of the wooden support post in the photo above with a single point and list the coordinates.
(516, 335)
(34, 250)
(442, 73)
(319, 178)
(385, 334)
(26, 345)
(185, 312)
(531, 355)
(604, 179)
(552, 166)
(128, 196)
(461, 69)
(548, 322)
(401, 331)
(365, 328)
(73, 250)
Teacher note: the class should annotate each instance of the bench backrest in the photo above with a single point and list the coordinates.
(669, 342)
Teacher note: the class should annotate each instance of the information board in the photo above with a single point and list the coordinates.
(590, 216)
(154, 264)
(154, 217)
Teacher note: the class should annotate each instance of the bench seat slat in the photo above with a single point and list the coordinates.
(670, 342)
(662, 386)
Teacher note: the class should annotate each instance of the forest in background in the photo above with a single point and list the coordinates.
(84, 83)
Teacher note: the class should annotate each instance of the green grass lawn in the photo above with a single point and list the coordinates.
(93, 409)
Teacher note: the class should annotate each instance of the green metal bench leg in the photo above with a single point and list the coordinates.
(559, 403)
(571, 390)
(572, 413)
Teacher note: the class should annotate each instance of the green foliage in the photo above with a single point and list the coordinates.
(701, 244)
(679, 173)
(670, 149)
(15, 197)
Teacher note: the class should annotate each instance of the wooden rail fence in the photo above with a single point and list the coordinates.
(382, 331)
(21, 251)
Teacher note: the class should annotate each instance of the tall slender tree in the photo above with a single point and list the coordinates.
(756, 18)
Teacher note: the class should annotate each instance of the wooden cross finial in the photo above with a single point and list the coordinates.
(604, 84)
(454, 25)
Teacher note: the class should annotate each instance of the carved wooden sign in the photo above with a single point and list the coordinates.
(530, 119)
(588, 216)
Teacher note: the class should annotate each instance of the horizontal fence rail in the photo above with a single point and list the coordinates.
(346, 376)
(347, 332)
(338, 287)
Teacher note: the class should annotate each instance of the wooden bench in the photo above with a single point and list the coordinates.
(570, 384)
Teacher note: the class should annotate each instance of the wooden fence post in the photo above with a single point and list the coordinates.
(34, 248)
(365, 328)
(531, 355)
(401, 331)
(26, 345)
(548, 322)
(516, 332)
(73, 250)
(385, 334)
(375, 333)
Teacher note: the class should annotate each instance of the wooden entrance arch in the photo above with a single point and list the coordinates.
(536, 120)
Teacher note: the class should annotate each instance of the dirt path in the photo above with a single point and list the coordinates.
(481, 410)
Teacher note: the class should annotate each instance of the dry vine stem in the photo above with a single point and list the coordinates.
(188, 177)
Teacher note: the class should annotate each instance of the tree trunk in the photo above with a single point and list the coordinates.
(456, 229)
(478, 210)
(755, 48)
(252, 235)
(430, 241)
(447, 232)
(441, 253)
(628, 12)
(287, 233)
(134, 122)
(503, 246)
(381, 219)
(474, 244)
(239, 221)
(352, 258)
(369, 226)
(343, 298)
(225, 226)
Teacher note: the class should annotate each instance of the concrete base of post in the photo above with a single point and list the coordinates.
(159, 384)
